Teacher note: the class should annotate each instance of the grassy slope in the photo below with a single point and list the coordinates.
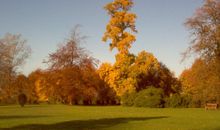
(58, 117)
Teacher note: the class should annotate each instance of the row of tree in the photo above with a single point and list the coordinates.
(132, 74)
(72, 76)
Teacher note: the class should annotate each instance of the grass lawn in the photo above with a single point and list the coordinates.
(62, 117)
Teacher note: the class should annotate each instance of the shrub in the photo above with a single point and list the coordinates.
(195, 103)
(128, 99)
(178, 100)
(22, 99)
(186, 101)
(150, 97)
(174, 100)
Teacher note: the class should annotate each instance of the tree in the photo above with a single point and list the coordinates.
(117, 30)
(13, 53)
(71, 75)
(70, 53)
(134, 73)
(202, 80)
(22, 84)
(131, 73)
(144, 69)
(148, 71)
(117, 75)
(37, 80)
(205, 28)
(22, 99)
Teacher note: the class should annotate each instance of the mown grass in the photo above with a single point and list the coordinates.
(62, 117)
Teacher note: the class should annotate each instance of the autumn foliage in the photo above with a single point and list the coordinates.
(74, 77)
(121, 22)
(131, 73)
(71, 77)
(13, 53)
(202, 80)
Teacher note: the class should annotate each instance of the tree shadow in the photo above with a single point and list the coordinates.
(217, 128)
(19, 117)
(83, 124)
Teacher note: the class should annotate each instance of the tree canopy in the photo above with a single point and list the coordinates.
(121, 21)
(130, 73)
(202, 80)
(13, 53)
(205, 31)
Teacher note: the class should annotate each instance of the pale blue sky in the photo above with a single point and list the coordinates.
(46, 23)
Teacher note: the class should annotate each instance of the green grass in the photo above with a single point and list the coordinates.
(62, 117)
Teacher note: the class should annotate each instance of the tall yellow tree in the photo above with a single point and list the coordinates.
(129, 72)
(120, 31)
(121, 25)
(118, 75)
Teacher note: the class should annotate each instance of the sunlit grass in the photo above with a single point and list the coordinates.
(58, 117)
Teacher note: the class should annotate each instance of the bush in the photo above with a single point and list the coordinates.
(186, 101)
(22, 99)
(178, 100)
(195, 103)
(128, 99)
(174, 100)
(151, 97)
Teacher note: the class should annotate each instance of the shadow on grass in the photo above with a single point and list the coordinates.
(82, 124)
(18, 117)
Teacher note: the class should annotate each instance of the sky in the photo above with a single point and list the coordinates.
(47, 23)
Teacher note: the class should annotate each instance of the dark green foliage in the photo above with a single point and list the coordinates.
(7, 101)
(22, 99)
(161, 77)
(174, 100)
(195, 103)
(177, 100)
(128, 99)
(151, 97)
(186, 101)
